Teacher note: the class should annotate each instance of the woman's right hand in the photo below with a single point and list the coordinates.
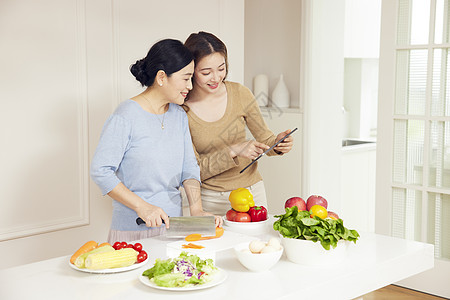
(248, 149)
(153, 215)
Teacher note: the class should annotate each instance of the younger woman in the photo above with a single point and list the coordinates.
(219, 112)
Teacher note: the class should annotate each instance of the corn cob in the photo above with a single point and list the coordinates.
(79, 262)
(114, 259)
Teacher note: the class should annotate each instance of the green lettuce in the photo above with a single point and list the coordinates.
(163, 272)
(299, 225)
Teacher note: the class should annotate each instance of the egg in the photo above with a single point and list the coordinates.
(269, 249)
(256, 246)
(275, 243)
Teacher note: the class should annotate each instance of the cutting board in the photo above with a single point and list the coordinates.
(228, 240)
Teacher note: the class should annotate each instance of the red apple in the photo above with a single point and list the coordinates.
(333, 215)
(242, 217)
(316, 200)
(231, 214)
(295, 201)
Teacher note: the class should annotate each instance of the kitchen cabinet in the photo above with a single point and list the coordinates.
(358, 187)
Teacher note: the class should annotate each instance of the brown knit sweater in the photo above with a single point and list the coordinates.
(218, 170)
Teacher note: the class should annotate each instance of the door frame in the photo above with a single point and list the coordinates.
(434, 281)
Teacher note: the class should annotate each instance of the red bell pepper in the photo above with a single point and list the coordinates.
(258, 213)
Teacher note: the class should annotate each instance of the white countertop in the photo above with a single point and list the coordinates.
(375, 261)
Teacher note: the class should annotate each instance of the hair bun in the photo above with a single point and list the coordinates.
(138, 71)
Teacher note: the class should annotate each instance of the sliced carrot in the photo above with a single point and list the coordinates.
(192, 246)
(83, 249)
(198, 237)
(193, 237)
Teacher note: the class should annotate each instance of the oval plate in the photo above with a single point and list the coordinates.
(219, 278)
(109, 271)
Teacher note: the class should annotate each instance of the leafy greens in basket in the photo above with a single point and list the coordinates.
(299, 225)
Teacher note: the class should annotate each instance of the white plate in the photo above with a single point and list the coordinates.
(219, 277)
(109, 271)
(245, 225)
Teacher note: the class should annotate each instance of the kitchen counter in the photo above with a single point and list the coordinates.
(375, 261)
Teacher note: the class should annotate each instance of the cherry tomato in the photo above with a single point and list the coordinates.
(231, 215)
(137, 247)
(124, 244)
(142, 256)
(130, 246)
(117, 245)
(242, 217)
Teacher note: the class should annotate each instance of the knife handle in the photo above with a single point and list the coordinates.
(139, 221)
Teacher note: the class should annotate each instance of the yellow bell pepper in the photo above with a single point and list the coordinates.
(241, 200)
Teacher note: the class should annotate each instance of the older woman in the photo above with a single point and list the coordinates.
(145, 151)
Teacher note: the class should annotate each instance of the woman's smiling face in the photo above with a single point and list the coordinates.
(210, 71)
(179, 84)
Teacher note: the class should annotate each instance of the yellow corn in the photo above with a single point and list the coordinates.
(114, 259)
(79, 262)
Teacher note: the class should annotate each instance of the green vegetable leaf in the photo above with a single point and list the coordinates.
(299, 225)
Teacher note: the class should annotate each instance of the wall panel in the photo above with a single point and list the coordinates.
(43, 118)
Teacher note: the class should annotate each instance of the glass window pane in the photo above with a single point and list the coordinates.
(408, 151)
(420, 22)
(437, 101)
(438, 232)
(403, 22)
(445, 86)
(413, 24)
(446, 13)
(439, 22)
(411, 82)
(439, 154)
(406, 213)
(440, 91)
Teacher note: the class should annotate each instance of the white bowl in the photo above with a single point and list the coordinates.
(313, 254)
(256, 262)
(246, 226)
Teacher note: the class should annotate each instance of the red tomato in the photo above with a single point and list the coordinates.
(231, 214)
(117, 245)
(124, 244)
(130, 246)
(242, 217)
(142, 256)
(137, 247)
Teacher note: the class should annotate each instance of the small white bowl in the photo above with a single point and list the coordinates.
(313, 254)
(256, 262)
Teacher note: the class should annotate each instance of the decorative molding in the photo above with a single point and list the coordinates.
(82, 217)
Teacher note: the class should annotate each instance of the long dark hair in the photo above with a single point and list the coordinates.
(167, 55)
(203, 43)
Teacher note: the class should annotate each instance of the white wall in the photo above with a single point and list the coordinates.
(322, 93)
(272, 43)
(64, 69)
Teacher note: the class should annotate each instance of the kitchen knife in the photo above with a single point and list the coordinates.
(181, 227)
(267, 151)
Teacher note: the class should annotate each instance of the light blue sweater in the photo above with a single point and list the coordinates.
(150, 161)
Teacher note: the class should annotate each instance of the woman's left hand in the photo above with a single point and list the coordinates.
(286, 145)
(218, 219)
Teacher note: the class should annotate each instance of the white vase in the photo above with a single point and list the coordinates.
(280, 94)
(261, 89)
